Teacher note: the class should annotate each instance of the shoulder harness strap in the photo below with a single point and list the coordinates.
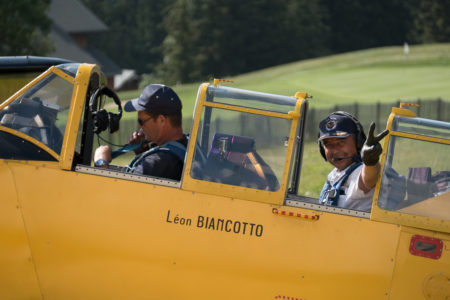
(330, 193)
(175, 148)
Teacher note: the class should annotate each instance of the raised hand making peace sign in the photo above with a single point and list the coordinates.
(370, 152)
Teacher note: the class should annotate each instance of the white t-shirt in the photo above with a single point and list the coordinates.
(354, 197)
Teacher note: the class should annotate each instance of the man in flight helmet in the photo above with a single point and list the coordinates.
(342, 143)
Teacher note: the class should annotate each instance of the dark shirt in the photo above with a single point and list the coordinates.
(162, 164)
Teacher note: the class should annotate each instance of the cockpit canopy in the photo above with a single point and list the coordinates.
(41, 112)
(416, 177)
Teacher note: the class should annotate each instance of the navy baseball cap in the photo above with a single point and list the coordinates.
(336, 126)
(157, 99)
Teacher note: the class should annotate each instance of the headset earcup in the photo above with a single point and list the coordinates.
(361, 141)
(361, 138)
(100, 120)
(103, 119)
(322, 151)
(114, 122)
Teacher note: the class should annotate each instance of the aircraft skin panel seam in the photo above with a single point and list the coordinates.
(395, 261)
(331, 209)
(26, 232)
(126, 176)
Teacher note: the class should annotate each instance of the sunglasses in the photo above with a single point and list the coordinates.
(142, 122)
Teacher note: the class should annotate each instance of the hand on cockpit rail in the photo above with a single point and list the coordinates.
(371, 151)
(103, 152)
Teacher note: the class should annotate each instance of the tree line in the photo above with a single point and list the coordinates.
(193, 40)
(24, 27)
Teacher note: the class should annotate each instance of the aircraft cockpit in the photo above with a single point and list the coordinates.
(40, 114)
(242, 141)
(416, 176)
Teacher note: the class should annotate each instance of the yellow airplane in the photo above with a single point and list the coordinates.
(235, 225)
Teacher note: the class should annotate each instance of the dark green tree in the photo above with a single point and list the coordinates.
(135, 31)
(430, 21)
(209, 38)
(177, 46)
(357, 24)
(306, 30)
(190, 40)
(24, 27)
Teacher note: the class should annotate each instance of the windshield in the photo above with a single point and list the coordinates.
(69, 68)
(416, 177)
(251, 99)
(426, 127)
(41, 112)
(242, 148)
(14, 81)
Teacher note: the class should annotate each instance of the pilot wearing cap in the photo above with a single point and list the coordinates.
(342, 143)
(159, 120)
